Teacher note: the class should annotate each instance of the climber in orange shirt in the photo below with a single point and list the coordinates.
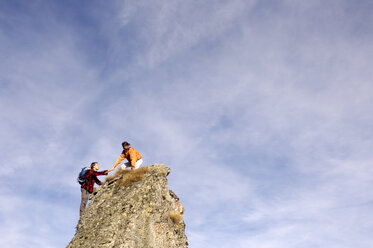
(131, 154)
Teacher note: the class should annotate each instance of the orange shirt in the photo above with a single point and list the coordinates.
(132, 155)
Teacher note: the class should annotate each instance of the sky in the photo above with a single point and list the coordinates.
(262, 110)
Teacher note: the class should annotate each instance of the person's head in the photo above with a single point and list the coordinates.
(94, 166)
(126, 145)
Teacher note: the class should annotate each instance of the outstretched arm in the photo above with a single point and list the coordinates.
(120, 159)
(99, 173)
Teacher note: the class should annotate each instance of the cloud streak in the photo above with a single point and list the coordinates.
(262, 110)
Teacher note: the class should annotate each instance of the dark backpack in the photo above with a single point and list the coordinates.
(82, 174)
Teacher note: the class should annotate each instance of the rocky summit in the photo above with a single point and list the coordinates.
(133, 208)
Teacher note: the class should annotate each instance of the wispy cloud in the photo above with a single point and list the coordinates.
(262, 110)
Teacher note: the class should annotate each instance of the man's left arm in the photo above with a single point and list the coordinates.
(99, 173)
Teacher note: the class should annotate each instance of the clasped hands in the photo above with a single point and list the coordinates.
(111, 169)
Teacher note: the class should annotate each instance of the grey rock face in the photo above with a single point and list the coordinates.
(133, 209)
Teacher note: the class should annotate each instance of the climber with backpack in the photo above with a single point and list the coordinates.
(131, 154)
(87, 178)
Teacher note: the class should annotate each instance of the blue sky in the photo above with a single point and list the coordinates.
(262, 109)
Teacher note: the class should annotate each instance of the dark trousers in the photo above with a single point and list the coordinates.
(83, 204)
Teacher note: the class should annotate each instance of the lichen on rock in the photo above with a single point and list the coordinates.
(133, 209)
